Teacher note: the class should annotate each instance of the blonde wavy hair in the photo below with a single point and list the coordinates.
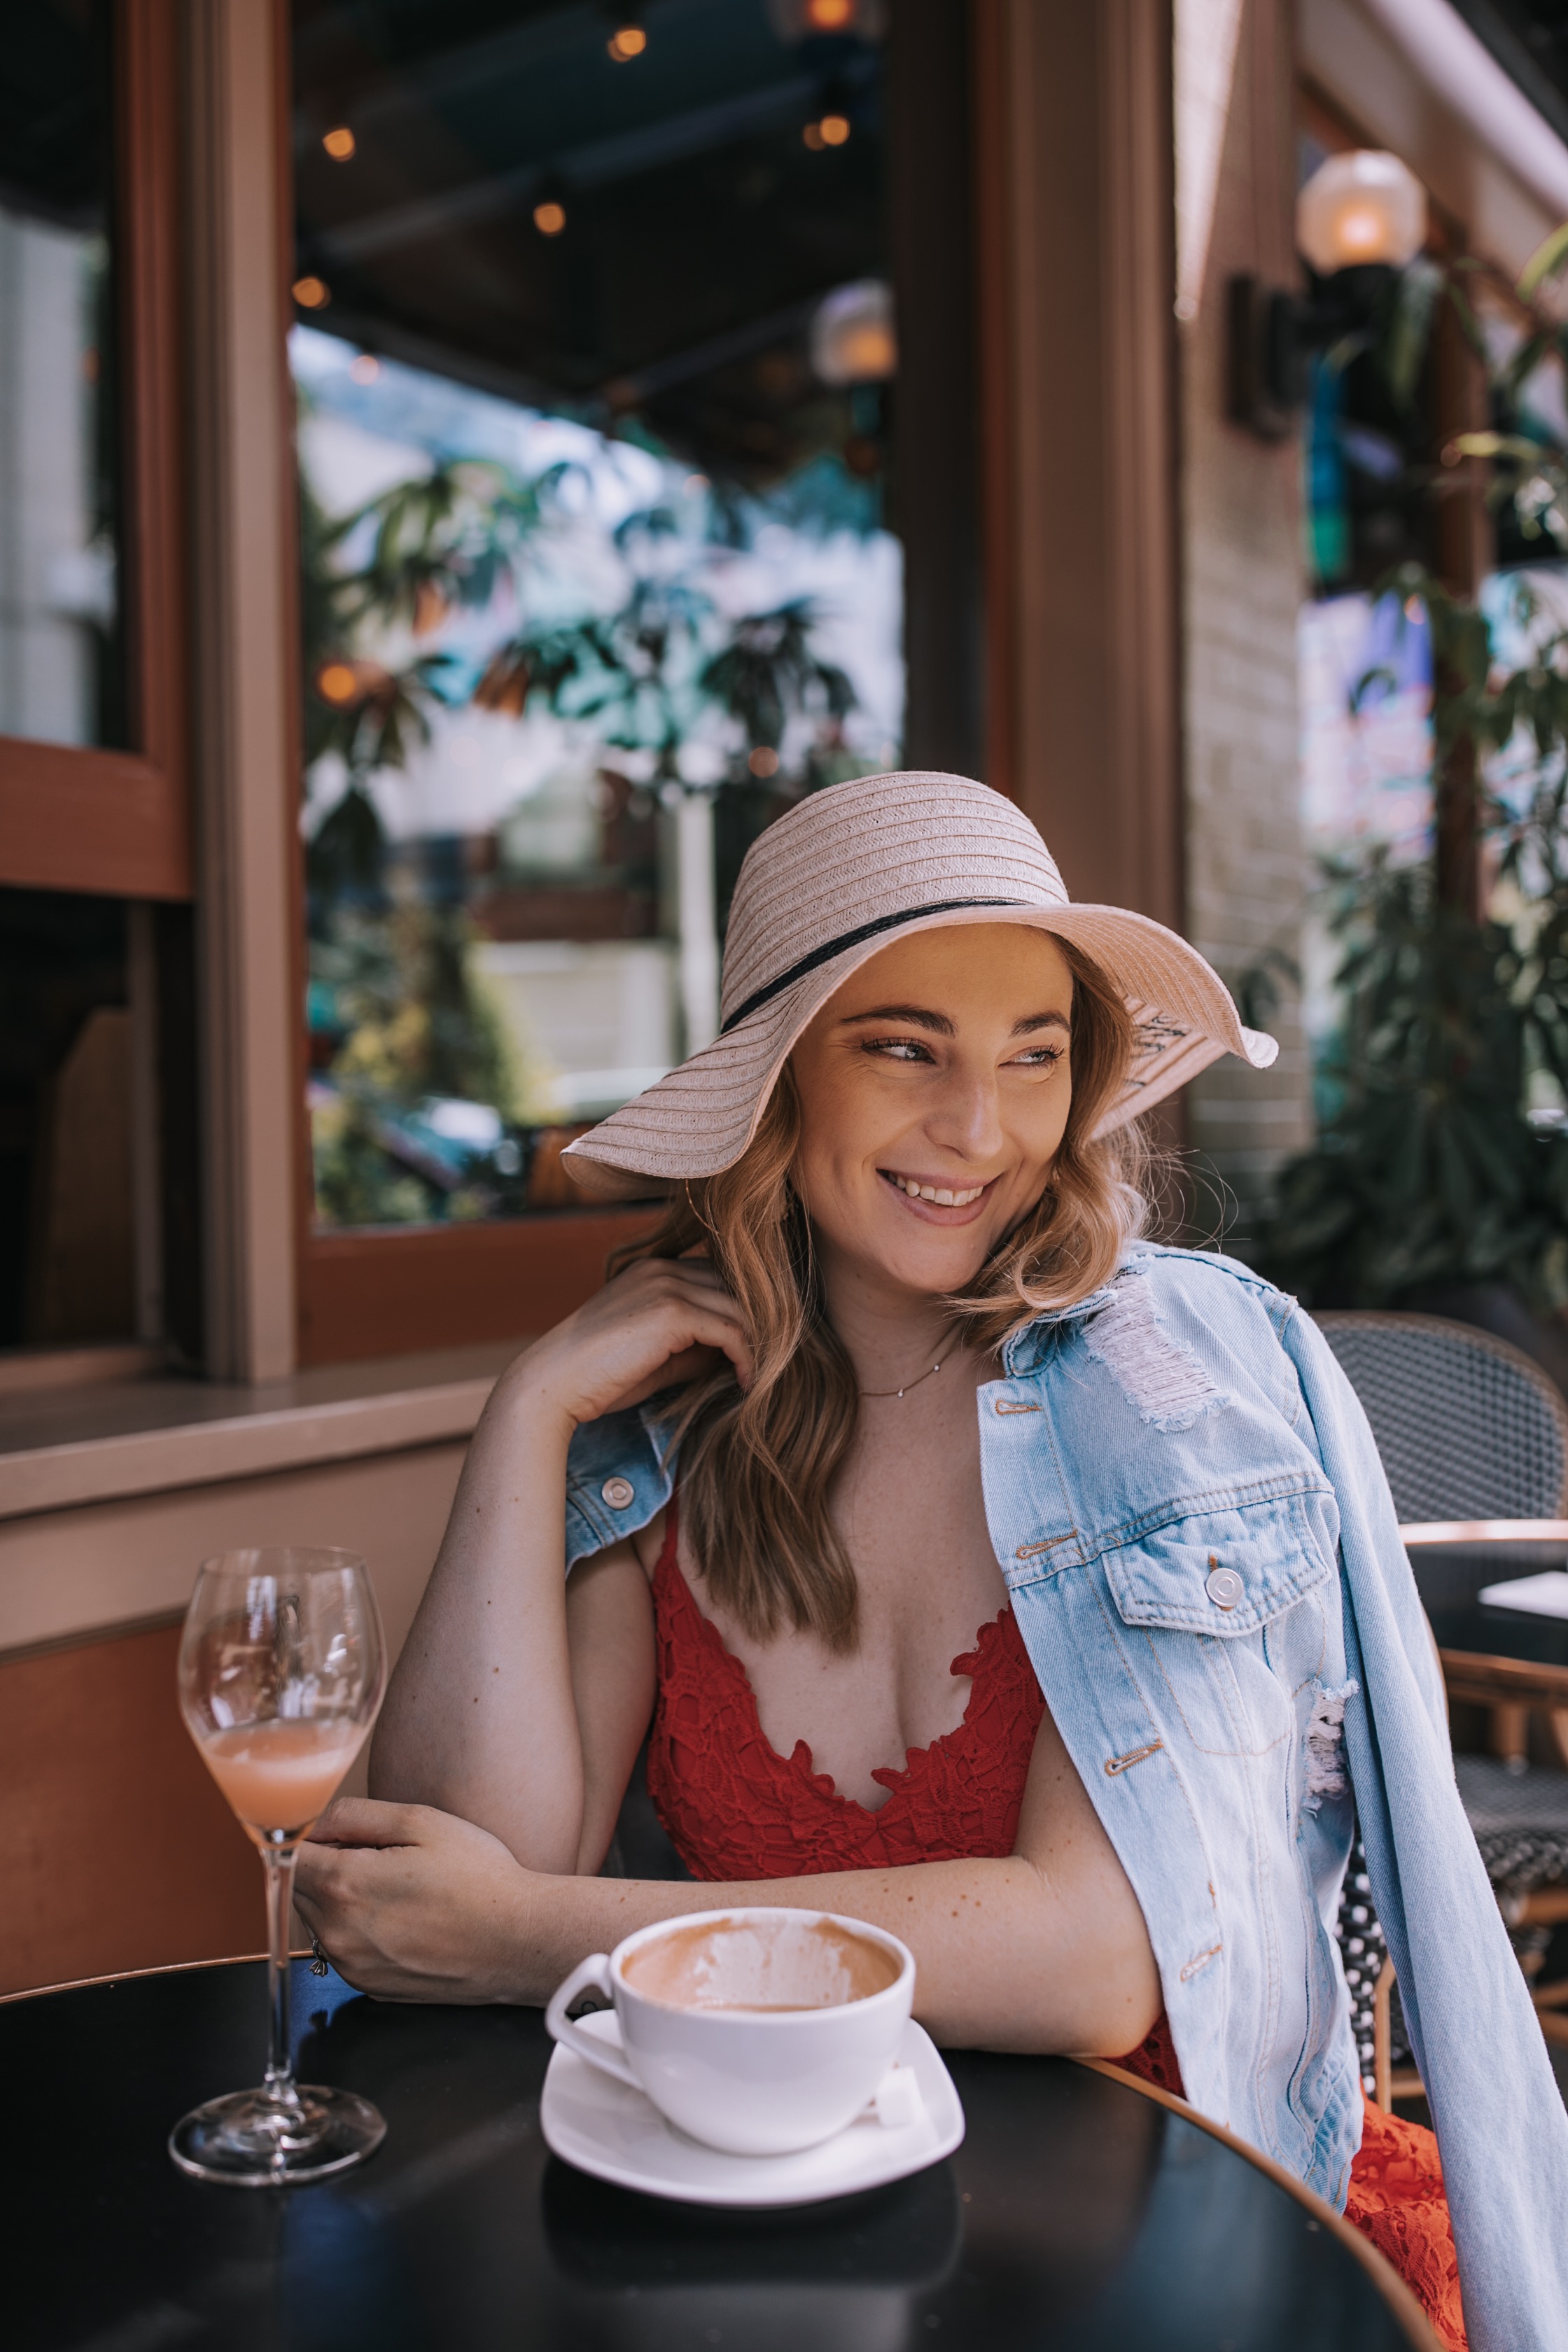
(757, 1467)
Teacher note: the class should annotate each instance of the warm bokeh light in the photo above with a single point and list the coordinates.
(626, 42)
(549, 218)
(854, 339)
(1359, 232)
(1360, 208)
(829, 16)
(867, 353)
(835, 129)
(812, 137)
(339, 144)
(364, 369)
(336, 682)
(312, 293)
(763, 763)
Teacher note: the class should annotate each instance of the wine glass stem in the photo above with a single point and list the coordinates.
(279, 1864)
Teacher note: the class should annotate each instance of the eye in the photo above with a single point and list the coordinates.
(896, 1049)
(1037, 1057)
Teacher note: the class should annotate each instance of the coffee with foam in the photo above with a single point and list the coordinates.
(779, 1962)
(759, 2030)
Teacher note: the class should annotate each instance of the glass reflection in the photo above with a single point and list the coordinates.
(595, 362)
(60, 669)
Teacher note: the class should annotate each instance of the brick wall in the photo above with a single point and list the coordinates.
(1242, 582)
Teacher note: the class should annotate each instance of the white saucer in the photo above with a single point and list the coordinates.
(605, 2128)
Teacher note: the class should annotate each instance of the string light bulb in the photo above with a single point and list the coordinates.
(312, 293)
(337, 683)
(817, 20)
(339, 144)
(1358, 208)
(550, 217)
(628, 41)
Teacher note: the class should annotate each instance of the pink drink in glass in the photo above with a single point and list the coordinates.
(279, 1775)
(282, 1665)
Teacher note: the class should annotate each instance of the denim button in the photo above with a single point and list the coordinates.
(618, 1493)
(1223, 1587)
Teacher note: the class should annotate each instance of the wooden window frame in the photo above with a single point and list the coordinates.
(116, 822)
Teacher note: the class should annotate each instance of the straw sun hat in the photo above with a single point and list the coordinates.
(843, 875)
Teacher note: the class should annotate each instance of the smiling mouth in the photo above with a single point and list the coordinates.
(941, 1196)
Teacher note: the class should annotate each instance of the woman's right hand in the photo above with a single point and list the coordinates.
(663, 1322)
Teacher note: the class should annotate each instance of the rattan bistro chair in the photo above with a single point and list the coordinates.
(1468, 1429)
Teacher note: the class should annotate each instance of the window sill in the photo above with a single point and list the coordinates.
(69, 1446)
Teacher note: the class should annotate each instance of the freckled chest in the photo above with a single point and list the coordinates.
(910, 1510)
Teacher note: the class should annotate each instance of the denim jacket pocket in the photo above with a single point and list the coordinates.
(1226, 1569)
(1252, 1577)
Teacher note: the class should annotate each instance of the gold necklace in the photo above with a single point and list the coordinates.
(911, 1385)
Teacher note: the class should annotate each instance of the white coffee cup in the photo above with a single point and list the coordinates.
(758, 2030)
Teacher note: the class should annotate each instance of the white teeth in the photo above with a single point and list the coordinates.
(938, 1195)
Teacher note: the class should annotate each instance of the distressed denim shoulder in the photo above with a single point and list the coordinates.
(1189, 1510)
(618, 1476)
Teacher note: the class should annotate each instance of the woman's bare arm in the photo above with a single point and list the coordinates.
(481, 1720)
(610, 1627)
(1046, 1951)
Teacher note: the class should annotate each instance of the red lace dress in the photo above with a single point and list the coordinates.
(736, 1809)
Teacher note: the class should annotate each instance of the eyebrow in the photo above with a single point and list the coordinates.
(919, 1017)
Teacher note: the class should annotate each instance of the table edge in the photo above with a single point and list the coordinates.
(1403, 2304)
(1390, 2286)
(128, 1976)
(1477, 1532)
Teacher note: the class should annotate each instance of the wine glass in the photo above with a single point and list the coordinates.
(282, 1667)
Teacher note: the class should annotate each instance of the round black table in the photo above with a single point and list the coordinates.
(1079, 2213)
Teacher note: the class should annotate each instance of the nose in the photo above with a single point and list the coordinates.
(968, 1118)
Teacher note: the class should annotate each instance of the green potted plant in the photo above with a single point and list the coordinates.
(1440, 1174)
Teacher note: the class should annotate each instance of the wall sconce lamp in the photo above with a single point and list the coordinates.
(1360, 219)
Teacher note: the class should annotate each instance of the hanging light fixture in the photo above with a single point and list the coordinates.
(853, 335)
(1360, 208)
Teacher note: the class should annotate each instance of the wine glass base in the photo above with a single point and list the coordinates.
(252, 2142)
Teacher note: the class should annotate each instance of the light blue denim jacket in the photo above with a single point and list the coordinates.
(1202, 1556)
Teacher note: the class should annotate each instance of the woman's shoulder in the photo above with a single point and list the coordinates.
(1157, 1283)
(1211, 1281)
(1183, 1332)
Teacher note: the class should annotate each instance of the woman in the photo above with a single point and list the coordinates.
(985, 1573)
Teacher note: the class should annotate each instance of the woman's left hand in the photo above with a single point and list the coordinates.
(414, 1905)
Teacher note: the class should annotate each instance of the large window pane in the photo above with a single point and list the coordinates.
(60, 654)
(595, 356)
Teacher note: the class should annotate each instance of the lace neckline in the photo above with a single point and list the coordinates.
(896, 1779)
